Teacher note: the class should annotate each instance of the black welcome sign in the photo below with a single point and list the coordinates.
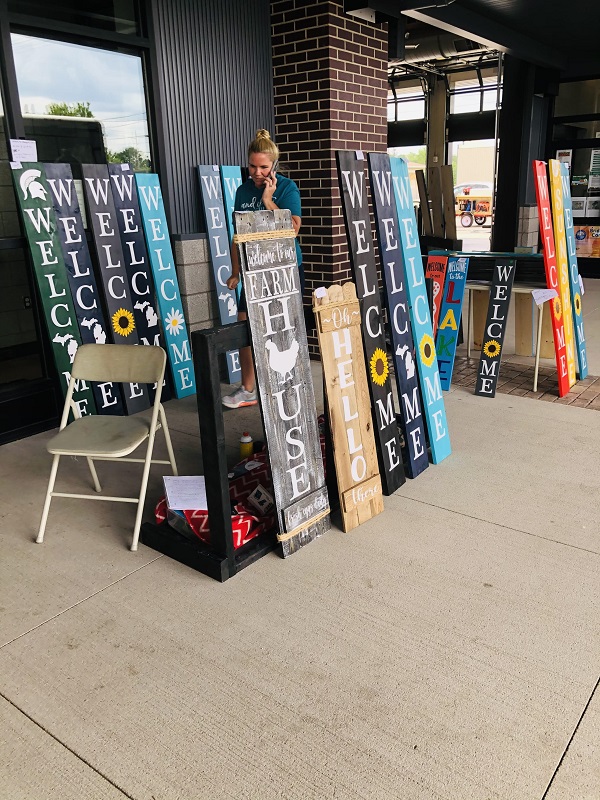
(495, 327)
(392, 268)
(80, 274)
(351, 178)
(220, 255)
(111, 261)
(284, 378)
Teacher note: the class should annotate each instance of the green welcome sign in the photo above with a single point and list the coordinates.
(35, 202)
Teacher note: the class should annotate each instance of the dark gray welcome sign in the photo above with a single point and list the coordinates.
(284, 378)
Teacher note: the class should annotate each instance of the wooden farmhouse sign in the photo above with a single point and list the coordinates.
(215, 219)
(451, 309)
(338, 317)
(80, 274)
(495, 327)
(435, 412)
(284, 379)
(231, 180)
(435, 270)
(351, 176)
(556, 311)
(35, 202)
(167, 285)
(562, 265)
(573, 272)
(111, 261)
(407, 380)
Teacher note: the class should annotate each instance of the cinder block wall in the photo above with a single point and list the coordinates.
(529, 228)
(196, 283)
(330, 84)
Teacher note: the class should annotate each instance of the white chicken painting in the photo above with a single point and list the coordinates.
(284, 361)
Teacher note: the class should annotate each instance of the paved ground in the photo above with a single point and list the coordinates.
(448, 649)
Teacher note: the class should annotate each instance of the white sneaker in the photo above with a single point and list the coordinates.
(241, 397)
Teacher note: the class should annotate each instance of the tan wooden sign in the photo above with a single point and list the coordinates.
(338, 316)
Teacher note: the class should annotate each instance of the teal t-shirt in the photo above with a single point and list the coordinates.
(287, 195)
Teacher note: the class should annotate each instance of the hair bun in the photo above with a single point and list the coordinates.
(262, 134)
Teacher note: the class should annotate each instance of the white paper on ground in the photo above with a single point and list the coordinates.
(185, 492)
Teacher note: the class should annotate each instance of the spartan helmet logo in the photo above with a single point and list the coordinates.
(30, 184)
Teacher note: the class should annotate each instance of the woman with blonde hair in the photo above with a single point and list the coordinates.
(264, 189)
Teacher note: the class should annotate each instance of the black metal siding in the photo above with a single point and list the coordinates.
(214, 86)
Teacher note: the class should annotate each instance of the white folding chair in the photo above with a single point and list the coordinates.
(111, 438)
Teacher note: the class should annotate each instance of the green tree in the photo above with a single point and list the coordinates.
(70, 109)
(130, 155)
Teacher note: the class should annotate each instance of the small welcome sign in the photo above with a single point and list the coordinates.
(495, 327)
(284, 379)
(451, 310)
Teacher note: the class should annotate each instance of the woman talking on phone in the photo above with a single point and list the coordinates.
(264, 190)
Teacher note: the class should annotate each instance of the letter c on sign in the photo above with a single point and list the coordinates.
(422, 298)
(162, 289)
(110, 287)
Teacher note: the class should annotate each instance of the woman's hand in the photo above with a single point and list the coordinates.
(270, 187)
(233, 281)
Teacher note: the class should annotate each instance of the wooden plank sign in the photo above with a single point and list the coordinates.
(573, 272)
(167, 287)
(435, 412)
(562, 265)
(80, 275)
(338, 318)
(284, 379)
(111, 261)
(353, 190)
(231, 180)
(495, 327)
(451, 305)
(220, 255)
(435, 269)
(407, 381)
(35, 202)
(556, 312)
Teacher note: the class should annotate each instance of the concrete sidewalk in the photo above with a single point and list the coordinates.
(449, 648)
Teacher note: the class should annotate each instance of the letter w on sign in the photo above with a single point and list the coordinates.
(351, 176)
(284, 379)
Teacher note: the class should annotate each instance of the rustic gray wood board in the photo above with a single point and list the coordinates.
(424, 200)
(283, 375)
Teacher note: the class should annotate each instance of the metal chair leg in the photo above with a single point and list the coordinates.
(52, 480)
(92, 467)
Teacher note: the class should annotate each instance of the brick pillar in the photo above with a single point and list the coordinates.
(330, 85)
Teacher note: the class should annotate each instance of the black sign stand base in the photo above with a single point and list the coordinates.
(218, 560)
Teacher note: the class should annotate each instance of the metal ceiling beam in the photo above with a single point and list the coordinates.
(472, 25)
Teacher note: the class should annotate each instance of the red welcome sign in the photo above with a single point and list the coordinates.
(556, 309)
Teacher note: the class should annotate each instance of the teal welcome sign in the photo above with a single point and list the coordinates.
(167, 286)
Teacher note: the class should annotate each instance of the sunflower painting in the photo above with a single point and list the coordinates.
(577, 301)
(492, 348)
(557, 306)
(122, 322)
(379, 367)
(427, 350)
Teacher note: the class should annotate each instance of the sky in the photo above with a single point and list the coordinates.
(49, 71)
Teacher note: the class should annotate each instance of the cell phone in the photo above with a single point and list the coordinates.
(274, 167)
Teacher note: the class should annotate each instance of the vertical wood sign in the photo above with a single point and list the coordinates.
(284, 379)
(231, 180)
(220, 255)
(80, 274)
(436, 271)
(451, 309)
(556, 311)
(562, 265)
(495, 327)
(338, 318)
(121, 320)
(167, 286)
(141, 285)
(351, 179)
(435, 412)
(39, 220)
(407, 381)
(573, 272)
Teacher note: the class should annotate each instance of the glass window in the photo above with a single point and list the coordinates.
(120, 16)
(82, 105)
(408, 103)
(467, 95)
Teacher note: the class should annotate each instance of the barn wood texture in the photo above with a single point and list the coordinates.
(284, 379)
